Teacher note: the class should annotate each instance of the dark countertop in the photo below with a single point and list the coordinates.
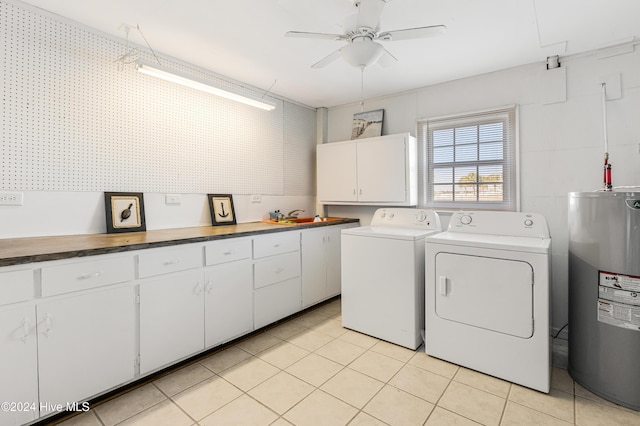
(19, 251)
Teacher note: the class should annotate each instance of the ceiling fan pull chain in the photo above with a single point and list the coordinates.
(361, 89)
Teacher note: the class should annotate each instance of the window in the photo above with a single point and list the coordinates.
(469, 161)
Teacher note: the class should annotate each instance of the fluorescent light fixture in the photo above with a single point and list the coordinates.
(172, 76)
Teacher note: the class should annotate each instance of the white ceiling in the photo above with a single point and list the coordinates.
(244, 39)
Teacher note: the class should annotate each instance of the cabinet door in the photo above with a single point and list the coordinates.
(171, 318)
(382, 172)
(276, 301)
(86, 344)
(19, 366)
(314, 280)
(228, 302)
(336, 172)
(333, 254)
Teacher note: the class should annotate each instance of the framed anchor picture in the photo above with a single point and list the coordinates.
(124, 212)
(222, 211)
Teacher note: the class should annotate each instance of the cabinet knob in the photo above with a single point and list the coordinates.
(198, 289)
(208, 287)
(26, 330)
(46, 323)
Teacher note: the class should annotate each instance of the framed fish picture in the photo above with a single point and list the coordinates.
(124, 212)
(222, 211)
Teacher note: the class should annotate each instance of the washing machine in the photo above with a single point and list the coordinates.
(383, 275)
(487, 295)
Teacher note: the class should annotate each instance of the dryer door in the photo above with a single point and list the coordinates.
(485, 292)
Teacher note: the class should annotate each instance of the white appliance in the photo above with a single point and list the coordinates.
(383, 275)
(487, 295)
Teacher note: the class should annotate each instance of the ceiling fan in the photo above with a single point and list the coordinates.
(362, 34)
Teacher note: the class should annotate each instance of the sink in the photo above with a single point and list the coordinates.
(301, 221)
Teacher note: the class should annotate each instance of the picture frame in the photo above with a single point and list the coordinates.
(222, 210)
(124, 212)
(367, 124)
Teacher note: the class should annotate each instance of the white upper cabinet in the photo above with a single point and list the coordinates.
(374, 171)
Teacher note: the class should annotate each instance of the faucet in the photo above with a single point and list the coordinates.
(294, 213)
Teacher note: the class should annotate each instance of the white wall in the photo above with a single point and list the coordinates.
(561, 135)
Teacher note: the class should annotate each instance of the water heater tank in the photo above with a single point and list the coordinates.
(604, 294)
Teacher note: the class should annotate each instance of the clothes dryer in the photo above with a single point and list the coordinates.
(487, 295)
(383, 275)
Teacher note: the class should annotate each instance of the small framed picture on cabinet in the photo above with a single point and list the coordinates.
(222, 211)
(124, 212)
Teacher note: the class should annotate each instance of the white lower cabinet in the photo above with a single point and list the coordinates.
(276, 301)
(86, 344)
(320, 249)
(19, 366)
(171, 318)
(228, 302)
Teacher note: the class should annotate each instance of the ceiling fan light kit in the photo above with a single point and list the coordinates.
(163, 73)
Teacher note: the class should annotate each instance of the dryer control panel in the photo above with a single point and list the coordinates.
(407, 218)
(516, 224)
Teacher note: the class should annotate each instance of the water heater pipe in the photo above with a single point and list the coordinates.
(607, 166)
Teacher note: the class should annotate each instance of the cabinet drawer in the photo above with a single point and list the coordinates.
(16, 286)
(272, 244)
(85, 275)
(227, 251)
(276, 269)
(276, 302)
(164, 261)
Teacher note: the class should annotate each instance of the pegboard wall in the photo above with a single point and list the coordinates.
(74, 119)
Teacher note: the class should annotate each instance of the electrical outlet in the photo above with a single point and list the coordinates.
(172, 199)
(11, 198)
(256, 198)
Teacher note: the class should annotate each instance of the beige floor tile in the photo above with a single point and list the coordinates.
(281, 422)
(183, 378)
(359, 339)
(222, 360)
(88, 418)
(561, 380)
(435, 365)
(206, 397)
(483, 382)
(421, 383)
(309, 319)
(591, 413)
(310, 339)
(516, 415)
(364, 419)
(473, 403)
(258, 343)
(314, 369)
(556, 403)
(397, 407)
(129, 404)
(164, 414)
(330, 327)
(286, 330)
(242, 411)
(442, 417)
(281, 392)
(283, 354)
(330, 309)
(320, 409)
(378, 366)
(352, 387)
(340, 351)
(394, 351)
(249, 373)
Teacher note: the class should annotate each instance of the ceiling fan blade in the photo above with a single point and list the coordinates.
(412, 33)
(387, 59)
(302, 34)
(369, 12)
(327, 59)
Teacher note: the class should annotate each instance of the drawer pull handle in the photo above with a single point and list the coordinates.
(277, 245)
(208, 287)
(279, 270)
(227, 253)
(26, 330)
(171, 262)
(92, 275)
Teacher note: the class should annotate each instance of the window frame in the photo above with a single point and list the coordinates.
(509, 116)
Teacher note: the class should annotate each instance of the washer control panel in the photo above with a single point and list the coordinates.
(406, 218)
(515, 224)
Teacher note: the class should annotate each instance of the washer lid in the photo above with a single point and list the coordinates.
(498, 242)
(388, 232)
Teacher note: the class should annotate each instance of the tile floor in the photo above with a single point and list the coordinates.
(311, 371)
